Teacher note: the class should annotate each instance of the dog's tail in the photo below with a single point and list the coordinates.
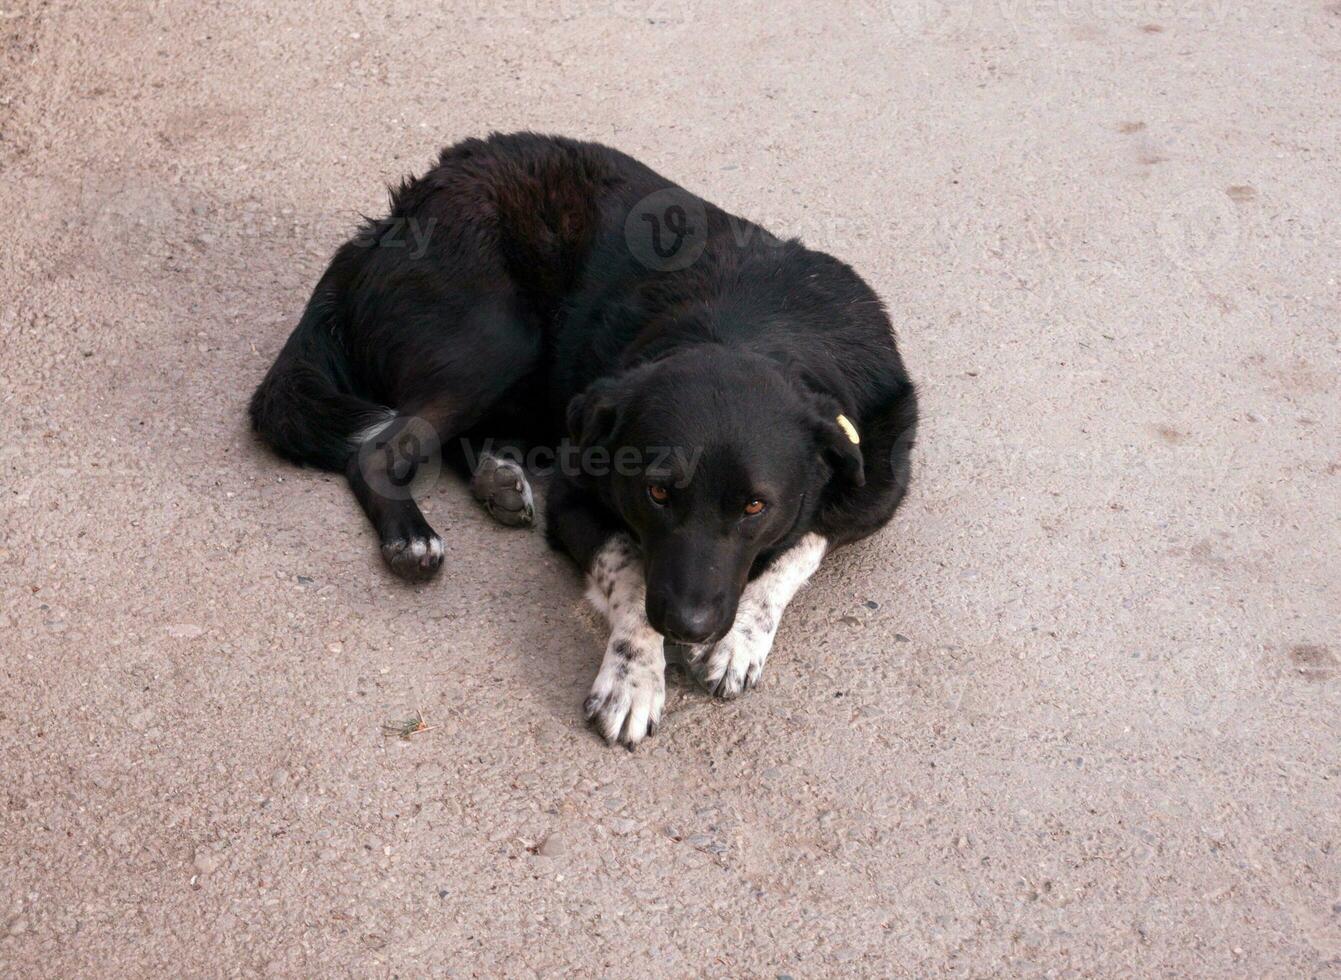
(308, 408)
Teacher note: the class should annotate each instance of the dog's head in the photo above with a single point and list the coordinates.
(711, 457)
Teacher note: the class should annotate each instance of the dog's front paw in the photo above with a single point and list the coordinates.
(735, 663)
(629, 692)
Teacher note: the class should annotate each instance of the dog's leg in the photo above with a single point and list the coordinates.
(733, 665)
(463, 354)
(386, 462)
(500, 484)
(630, 689)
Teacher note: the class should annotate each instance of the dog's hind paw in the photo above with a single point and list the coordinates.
(501, 486)
(416, 558)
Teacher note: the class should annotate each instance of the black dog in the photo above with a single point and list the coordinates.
(733, 404)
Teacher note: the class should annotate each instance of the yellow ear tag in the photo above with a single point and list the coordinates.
(849, 429)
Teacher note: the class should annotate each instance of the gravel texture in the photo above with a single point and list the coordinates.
(1074, 712)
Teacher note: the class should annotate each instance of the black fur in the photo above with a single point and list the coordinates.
(502, 297)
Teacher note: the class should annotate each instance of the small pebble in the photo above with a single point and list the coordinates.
(429, 775)
(206, 861)
(706, 843)
(554, 846)
(141, 719)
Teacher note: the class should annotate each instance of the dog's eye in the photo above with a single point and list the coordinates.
(658, 493)
(754, 507)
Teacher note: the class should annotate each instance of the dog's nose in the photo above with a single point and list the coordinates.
(690, 624)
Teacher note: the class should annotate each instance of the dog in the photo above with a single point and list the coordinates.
(726, 406)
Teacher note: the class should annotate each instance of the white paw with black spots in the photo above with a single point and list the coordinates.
(734, 664)
(628, 694)
(501, 486)
(415, 558)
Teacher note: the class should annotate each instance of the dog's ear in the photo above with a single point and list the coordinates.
(837, 436)
(593, 415)
(840, 444)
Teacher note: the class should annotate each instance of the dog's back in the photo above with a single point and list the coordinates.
(499, 225)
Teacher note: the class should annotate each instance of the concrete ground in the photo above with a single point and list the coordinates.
(1075, 712)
